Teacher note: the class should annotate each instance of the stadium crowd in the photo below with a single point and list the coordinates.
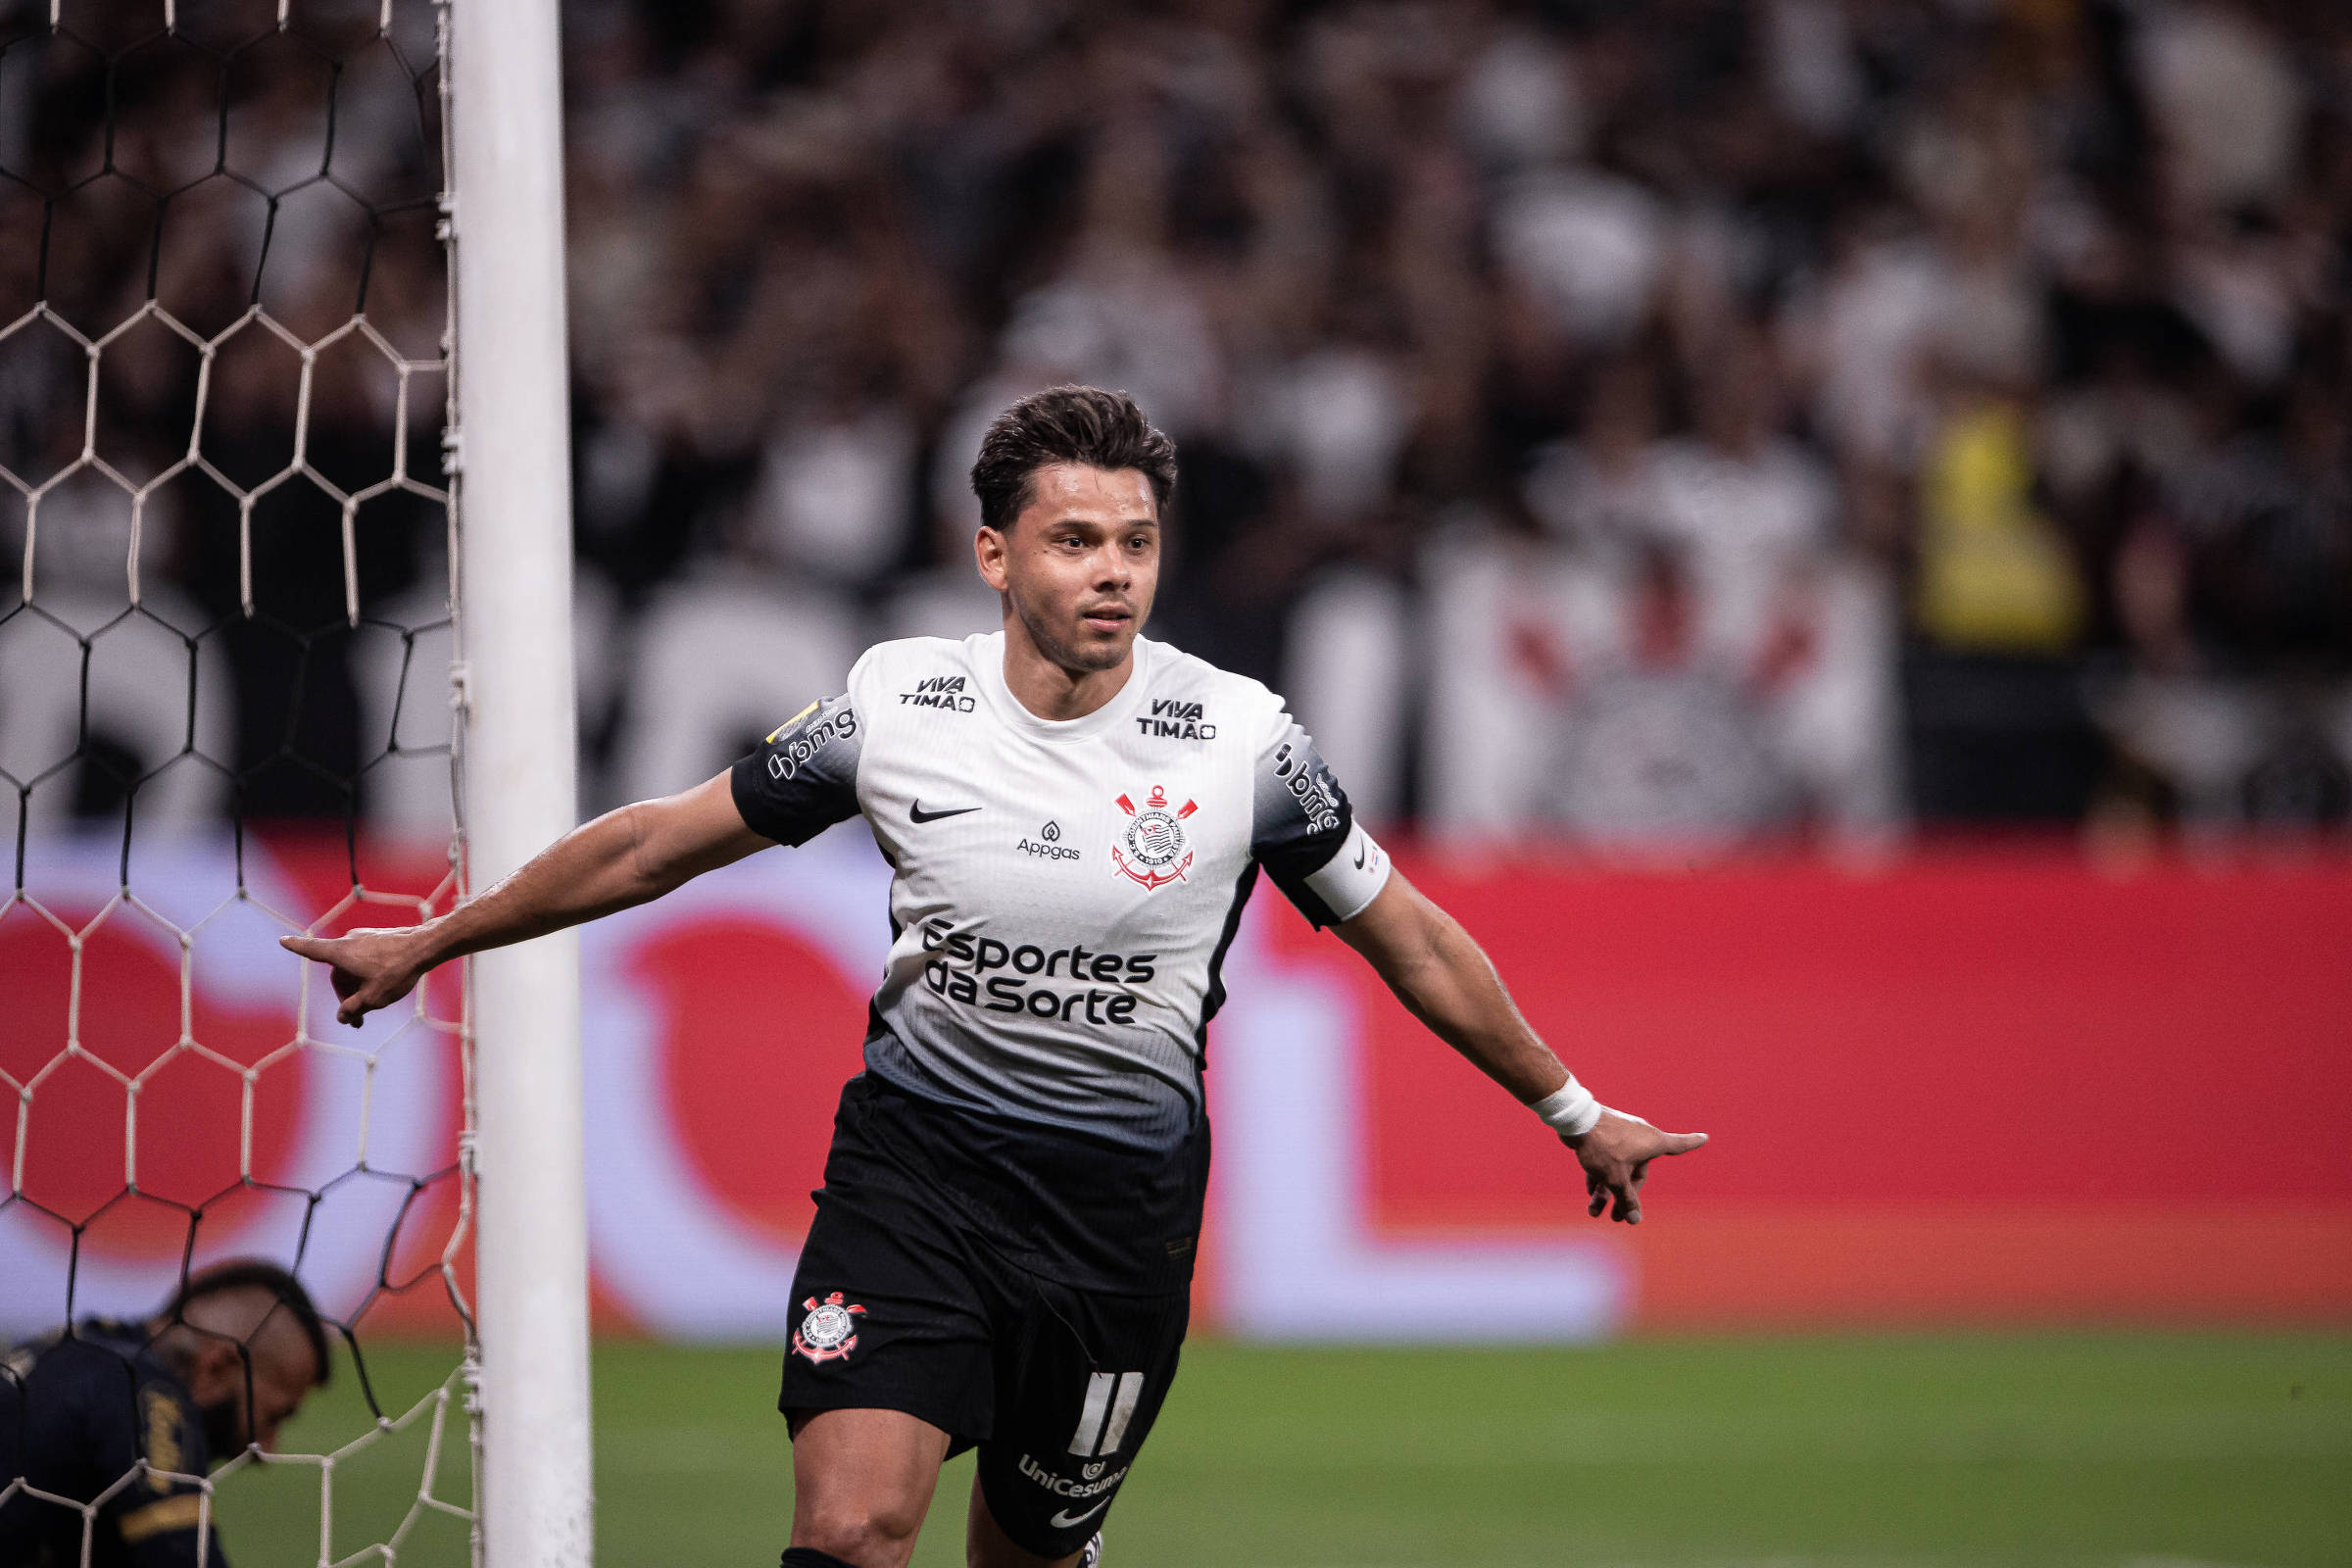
(1684, 421)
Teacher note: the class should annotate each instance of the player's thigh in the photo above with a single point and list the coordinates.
(862, 1482)
(1078, 1388)
(893, 1358)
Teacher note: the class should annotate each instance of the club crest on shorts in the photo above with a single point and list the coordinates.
(829, 1331)
(1155, 855)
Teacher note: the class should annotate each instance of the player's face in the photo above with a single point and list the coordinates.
(1080, 563)
(281, 1384)
(282, 1377)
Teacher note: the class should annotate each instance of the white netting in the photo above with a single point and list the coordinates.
(225, 715)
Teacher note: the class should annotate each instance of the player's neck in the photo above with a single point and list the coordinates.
(1050, 691)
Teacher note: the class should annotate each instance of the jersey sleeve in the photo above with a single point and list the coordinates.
(803, 778)
(1304, 833)
(161, 1517)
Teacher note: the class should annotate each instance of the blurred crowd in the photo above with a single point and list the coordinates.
(1674, 422)
(1663, 420)
(222, 306)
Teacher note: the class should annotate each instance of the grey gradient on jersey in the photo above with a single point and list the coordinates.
(1064, 894)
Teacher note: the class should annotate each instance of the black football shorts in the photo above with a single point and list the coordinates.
(900, 1307)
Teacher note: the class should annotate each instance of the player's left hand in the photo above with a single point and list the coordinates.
(1616, 1155)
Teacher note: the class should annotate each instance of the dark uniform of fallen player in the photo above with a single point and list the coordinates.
(1074, 817)
(160, 1401)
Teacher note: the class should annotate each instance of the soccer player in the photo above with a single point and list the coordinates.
(1074, 815)
(221, 1367)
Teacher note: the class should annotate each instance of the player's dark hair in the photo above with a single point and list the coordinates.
(253, 1273)
(1067, 425)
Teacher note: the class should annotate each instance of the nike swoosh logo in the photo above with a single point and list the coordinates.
(918, 813)
(1359, 857)
(1063, 1521)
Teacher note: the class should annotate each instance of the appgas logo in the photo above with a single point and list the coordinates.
(1048, 845)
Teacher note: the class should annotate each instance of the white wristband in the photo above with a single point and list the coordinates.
(1572, 1111)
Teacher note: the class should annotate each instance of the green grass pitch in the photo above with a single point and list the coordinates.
(2074, 1449)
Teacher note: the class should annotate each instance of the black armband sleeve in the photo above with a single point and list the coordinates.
(1303, 832)
(803, 778)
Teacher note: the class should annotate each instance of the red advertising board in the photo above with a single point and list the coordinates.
(1985, 1086)
(1981, 1088)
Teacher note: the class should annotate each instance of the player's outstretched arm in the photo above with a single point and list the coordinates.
(623, 858)
(1447, 981)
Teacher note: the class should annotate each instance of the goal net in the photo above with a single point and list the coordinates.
(225, 714)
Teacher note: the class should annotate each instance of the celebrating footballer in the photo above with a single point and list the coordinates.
(1074, 817)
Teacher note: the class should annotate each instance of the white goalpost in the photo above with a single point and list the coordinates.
(510, 493)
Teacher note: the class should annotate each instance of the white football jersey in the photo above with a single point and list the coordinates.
(1063, 891)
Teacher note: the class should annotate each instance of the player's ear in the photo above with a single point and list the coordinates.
(989, 548)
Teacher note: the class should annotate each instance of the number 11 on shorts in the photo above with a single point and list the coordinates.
(1109, 1405)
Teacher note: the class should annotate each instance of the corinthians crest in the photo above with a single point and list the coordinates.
(828, 1332)
(1154, 853)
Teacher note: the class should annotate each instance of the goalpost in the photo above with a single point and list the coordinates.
(144, 624)
(510, 436)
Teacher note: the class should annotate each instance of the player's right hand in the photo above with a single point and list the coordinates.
(372, 966)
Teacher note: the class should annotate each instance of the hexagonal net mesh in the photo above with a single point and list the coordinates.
(225, 641)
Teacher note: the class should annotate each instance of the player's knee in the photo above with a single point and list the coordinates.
(861, 1533)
